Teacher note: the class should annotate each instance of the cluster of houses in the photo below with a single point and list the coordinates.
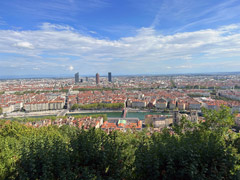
(45, 105)
(216, 104)
(184, 103)
(44, 95)
(156, 121)
(122, 124)
(83, 122)
(32, 102)
(91, 122)
(159, 121)
(223, 82)
(231, 94)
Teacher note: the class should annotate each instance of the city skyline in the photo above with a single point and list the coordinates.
(57, 38)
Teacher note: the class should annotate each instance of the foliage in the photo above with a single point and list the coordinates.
(149, 122)
(92, 115)
(33, 119)
(208, 150)
(194, 151)
(23, 92)
(236, 87)
(97, 106)
(39, 91)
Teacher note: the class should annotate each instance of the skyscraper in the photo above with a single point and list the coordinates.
(109, 77)
(77, 77)
(97, 79)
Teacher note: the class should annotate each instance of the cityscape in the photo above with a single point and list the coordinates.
(138, 101)
(119, 90)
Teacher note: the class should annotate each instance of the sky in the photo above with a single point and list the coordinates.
(125, 37)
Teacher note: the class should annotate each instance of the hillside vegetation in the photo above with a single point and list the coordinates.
(208, 150)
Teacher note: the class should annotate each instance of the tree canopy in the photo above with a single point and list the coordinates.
(113, 106)
(207, 150)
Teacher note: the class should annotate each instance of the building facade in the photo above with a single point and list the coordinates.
(97, 79)
(109, 77)
(77, 77)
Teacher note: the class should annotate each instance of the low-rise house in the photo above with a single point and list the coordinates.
(161, 103)
(194, 105)
(7, 108)
(181, 105)
(139, 103)
(172, 104)
(159, 121)
(216, 104)
(55, 105)
(122, 124)
(235, 106)
(36, 106)
(17, 106)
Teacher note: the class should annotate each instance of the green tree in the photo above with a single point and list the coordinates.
(74, 107)
(205, 150)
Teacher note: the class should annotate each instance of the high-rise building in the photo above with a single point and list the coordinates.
(109, 77)
(86, 78)
(77, 77)
(97, 79)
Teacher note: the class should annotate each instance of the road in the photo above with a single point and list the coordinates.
(63, 112)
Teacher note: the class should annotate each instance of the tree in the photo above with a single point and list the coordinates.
(208, 150)
(193, 151)
(149, 122)
(74, 107)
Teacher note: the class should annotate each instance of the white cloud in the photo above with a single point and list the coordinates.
(93, 32)
(26, 45)
(146, 50)
(185, 66)
(49, 26)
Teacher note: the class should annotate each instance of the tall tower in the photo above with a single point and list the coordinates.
(109, 77)
(176, 118)
(97, 79)
(77, 77)
(194, 116)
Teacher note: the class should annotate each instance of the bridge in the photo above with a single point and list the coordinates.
(63, 112)
(124, 113)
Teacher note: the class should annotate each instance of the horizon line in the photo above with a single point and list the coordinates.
(12, 77)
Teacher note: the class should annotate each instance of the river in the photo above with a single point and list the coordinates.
(140, 115)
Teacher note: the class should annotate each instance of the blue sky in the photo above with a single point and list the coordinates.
(61, 37)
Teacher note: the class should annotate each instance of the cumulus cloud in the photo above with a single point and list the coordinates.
(148, 49)
(26, 45)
